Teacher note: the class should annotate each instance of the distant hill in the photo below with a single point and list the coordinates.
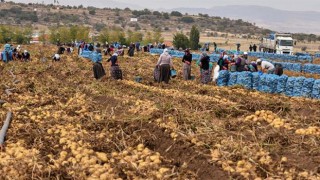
(275, 19)
(49, 15)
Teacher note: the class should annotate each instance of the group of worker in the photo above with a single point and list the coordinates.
(234, 63)
(11, 53)
(239, 63)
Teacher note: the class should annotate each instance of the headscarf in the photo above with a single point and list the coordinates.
(225, 57)
(187, 51)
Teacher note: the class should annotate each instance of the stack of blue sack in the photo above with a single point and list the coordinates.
(245, 79)
(281, 86)
(86, 54)
(285, 57)
(311, 68)
(223, 78)
(316, 89)
(290, 86)
(297, 67)
(268, 83)
(195, 56)
(298, 84)
(233, 76)
(214, 57)
(307, 87)
(255, 80)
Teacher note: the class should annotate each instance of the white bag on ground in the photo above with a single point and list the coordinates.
(216, 73)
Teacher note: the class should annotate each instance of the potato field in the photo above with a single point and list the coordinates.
(67, 125)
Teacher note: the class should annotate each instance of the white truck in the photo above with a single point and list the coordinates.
(280, 43)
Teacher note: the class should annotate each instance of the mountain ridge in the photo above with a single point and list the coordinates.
(267, 17)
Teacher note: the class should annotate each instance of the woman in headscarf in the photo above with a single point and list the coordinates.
(115, 70)
(98, 70)
(164, 64)
(131, 50)
(187, 58)
(204, 68)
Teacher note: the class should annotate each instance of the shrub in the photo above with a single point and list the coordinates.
(180, 40)
(187, 19)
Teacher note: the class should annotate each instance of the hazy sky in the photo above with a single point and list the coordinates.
(305, 5)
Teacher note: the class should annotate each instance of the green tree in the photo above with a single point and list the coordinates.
(194, 38)
(156, 13)
(157, 35)
(148, 38)
(166, 15)
(176, 13)
(6, 34)
(42, 37)
(187, 19)
(180, 40)
(104, 36)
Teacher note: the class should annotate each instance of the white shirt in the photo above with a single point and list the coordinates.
(267, 65)
(57, 56)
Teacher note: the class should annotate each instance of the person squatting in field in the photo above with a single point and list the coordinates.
(164, 64)
(267, 67)
(187, 59)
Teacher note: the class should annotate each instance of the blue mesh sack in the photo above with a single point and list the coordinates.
(233, 78)
(298, 84)
(290, 86)
(297, 67)
(245, 79)
(223, 78)
(255, 80)
(268, 83)
(281, 86)
(307, 87)
(311, 68)
(316, 89)
(96, 57)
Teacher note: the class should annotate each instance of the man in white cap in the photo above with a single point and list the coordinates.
(56, 57)
(245, 56)
(266, 67)
(25, 55)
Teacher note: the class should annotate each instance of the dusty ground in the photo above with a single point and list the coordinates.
(67, 125)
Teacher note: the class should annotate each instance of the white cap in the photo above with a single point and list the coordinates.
(225, 57)
(25, 51)
(258, 60)
(245, 53)
(165, 50)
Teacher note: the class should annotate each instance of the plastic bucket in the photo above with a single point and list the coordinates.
(173, 73)
(138, 79)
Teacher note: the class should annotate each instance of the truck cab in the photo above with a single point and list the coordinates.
(284, 45)
(278, 43)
